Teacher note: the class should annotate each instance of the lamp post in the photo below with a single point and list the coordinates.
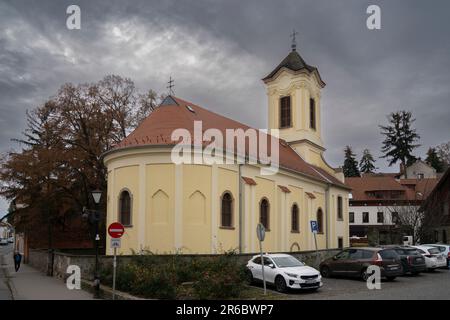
(96, 195)
(94, 218)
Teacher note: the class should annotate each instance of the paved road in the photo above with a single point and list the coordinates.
(426, 286)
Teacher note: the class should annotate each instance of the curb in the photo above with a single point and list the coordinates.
(106, 292)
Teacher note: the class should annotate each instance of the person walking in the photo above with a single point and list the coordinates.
(17, 260)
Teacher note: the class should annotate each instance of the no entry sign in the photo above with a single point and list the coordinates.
(116, 230)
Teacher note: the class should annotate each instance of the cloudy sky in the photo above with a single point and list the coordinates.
(218, 51)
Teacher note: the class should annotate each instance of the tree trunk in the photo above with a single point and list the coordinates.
(50, 257)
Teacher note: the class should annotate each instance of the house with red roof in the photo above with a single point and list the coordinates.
(386, 207)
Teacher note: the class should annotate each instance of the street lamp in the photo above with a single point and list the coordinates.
(96, 194)
(94, 218)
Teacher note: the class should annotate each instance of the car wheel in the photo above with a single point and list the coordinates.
(364, 275)
(249, 277)
(390, 278)
(280, 284)
(325, 272)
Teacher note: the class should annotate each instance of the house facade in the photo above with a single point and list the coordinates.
(215, 207)
(383, 208)
(437, 211)
(419, 170)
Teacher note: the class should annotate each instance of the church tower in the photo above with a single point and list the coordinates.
(294, 90)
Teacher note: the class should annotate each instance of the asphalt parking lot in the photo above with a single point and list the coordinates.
(429, 285)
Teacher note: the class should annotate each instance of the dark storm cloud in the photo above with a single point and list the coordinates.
(219, 51)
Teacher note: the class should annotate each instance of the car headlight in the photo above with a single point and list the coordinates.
(292, 275)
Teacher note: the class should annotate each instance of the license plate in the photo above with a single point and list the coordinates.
(310, 281)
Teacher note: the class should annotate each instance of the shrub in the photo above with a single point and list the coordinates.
(154, 283)
(222, 277)
(159, 277)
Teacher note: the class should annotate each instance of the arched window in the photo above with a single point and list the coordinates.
(227, 210)
(125, 208)
(320, 221)
(294, 219)
(339, 208)
(264, 213)
(312, 113)
(285, 112)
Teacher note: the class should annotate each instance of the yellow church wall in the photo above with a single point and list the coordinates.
(339, 226)
(300, 87)
(110, 195)
(196, 226)
(160, 208)
(180, 207)
(297, 241)
(265, 188)
(127, 178)
(319, 202)
(227, 238)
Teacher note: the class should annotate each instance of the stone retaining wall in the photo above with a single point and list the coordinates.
(38, 260)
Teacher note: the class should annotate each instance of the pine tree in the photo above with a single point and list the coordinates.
(400, 139)
(434, 160)
(350, 163)
(366, 165)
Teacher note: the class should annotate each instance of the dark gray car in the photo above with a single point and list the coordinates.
(353, 262)
(412, 260)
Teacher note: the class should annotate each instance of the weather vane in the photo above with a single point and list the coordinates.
(171, 85)
(294, 43)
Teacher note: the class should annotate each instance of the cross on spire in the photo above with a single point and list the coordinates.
(294, 43)
(170, 85)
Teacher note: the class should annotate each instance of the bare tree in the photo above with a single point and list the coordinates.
(408, 217)
(60, 161)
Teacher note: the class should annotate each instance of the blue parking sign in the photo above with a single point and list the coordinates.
(314, 226)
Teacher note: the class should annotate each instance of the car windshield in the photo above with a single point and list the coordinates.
(388, 254)
(434, 251)
(286, 262)
(412, 252)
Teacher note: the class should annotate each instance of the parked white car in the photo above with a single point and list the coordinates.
(433, 257)
(11, 240)
(284, 271)
(445, 250)
(3, 241)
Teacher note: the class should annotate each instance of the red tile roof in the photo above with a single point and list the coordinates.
(157, 129)
(285, 189)
(249, 181)
(362, 186)
(311, 195)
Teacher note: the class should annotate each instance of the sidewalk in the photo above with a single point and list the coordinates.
(30, 284)
(5, 293)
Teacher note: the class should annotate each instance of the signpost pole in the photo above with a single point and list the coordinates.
(261, 234)
(115, 231)
(262, 266)
(317, 250)
(314, 229)
(114, 273)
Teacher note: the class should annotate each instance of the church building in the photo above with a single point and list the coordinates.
(212, 208)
